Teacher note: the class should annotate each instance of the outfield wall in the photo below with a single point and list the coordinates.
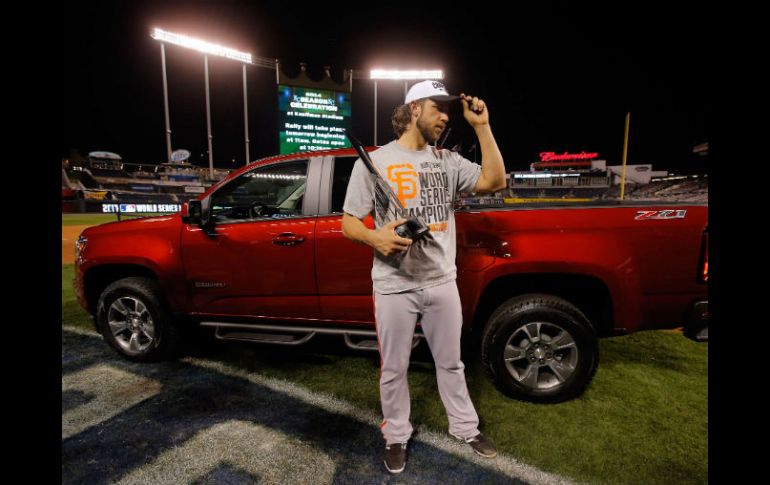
(127, 204)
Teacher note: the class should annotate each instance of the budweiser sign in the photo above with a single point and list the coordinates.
(551, 156)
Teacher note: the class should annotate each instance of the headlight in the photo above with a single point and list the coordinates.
(80, 246)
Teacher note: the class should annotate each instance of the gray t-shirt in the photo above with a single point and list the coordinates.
(426, 182)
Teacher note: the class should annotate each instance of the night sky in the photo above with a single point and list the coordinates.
(554, 78)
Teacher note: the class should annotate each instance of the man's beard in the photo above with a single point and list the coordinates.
(427, 131)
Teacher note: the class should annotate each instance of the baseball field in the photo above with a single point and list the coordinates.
(234, 413)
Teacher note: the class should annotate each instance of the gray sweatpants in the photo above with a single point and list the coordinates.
(438, 309)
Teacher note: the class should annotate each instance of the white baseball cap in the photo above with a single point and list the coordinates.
(434, 90)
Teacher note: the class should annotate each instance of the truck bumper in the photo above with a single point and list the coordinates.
(697, 326)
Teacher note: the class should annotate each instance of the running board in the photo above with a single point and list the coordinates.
(268, 338)
(287, 334)
(369, 344)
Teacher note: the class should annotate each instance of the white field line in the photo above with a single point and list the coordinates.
(503, 463)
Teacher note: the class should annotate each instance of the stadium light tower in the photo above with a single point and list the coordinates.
(397, 75)
(206, 48)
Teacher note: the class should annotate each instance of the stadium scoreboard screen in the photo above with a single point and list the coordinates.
(312, 119)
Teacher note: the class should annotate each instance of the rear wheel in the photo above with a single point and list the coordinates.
(133, 318)
(540, 348)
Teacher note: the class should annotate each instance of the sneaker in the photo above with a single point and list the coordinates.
(395, 457)
(480, 445)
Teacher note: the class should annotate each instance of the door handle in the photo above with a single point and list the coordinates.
(288, 239)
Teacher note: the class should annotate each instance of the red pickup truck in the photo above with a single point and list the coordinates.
(261, 257)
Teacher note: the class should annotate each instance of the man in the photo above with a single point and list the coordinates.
(414, 281)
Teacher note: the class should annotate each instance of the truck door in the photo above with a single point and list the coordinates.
(343, 267)
(258, 260)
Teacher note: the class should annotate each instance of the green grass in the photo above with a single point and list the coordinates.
(86, 219)
(643, 420)
(95, 219)
(71, 312)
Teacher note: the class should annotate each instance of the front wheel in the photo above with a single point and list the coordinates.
(540, 348)
(134, 320)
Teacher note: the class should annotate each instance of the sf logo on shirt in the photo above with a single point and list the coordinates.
(405, 178)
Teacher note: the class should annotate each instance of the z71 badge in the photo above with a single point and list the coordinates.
(664, 214)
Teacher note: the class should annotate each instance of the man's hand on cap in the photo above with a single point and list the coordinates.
(474, 110)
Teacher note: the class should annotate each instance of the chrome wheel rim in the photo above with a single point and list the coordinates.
(540, 355)
(131, 325)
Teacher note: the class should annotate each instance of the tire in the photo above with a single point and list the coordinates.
(551, 349)
(142, 329)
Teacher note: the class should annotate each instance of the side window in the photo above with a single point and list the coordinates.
(343, 166)
(271, 192)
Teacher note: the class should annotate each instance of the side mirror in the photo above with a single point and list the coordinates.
(194, 210)
(205, 218)
(198, 213)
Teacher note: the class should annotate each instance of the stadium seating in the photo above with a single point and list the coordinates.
(689, 190)
(100, 172)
